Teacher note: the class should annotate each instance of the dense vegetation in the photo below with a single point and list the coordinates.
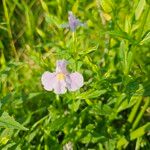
(112, 52)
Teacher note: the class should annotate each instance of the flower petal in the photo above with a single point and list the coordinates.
(60, 87)
(61, 66)
(76, 81)
(48, 80)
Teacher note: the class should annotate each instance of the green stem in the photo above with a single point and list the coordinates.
(134, 110)
(74, 47)
(139, 117)
(138, 99)
(138, 143)
(74, 41)
(57, 100)
(38, 122)
(9, 29)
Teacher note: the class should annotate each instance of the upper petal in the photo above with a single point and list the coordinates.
(48, 80)
(76, 81)
(61, 66)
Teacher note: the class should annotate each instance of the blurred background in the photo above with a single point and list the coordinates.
(112, 51)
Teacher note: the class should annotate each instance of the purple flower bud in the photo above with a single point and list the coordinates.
(61, 79)
(73, 22)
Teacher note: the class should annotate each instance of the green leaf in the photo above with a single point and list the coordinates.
(128, 24)
(44, 6)
(137, 97)
(9, 122)
(58, 123)
(129, 103)
(130, 58)
(33, 95)
(121, 34)
(75, 105)
(141, 113)
(100, 109)
(89, 50)
(75, 6)
(146, 39)
(5, 136)
(91, 94)
(8, 146)
(139, 9)
(140, 131)
(123, 142)
(122, 50)
(106, 5)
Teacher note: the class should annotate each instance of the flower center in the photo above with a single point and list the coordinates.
(60, 76)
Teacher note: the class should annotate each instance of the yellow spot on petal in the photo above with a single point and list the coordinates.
(60, 76)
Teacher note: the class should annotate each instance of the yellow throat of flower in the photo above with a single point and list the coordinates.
(60, 76)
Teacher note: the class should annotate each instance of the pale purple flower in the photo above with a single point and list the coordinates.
(73, 22)
(61, 79)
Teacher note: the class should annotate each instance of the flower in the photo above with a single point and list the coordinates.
(61, 79)
(73, 22)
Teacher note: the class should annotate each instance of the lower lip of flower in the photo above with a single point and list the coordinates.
(60, 76)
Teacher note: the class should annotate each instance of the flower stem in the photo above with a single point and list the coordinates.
(74, 47)
(74, 41)
(57, 99)
(134, 110)
(139, 117)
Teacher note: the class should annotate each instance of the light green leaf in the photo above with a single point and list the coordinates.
(44, 6)
(87, 51)
(9, 122)
(129, 103)
(121, 34)
(146, 39)
(58, 123)
(130, 58)
(140, 131)
(75, 105)
(123, 142)
(91, 94)
(140, 9)
(106, 5)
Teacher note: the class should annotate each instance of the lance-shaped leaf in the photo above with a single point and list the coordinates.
(9, 122)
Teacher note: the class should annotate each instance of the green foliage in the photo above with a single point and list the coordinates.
(111, 111)
(8, 122)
